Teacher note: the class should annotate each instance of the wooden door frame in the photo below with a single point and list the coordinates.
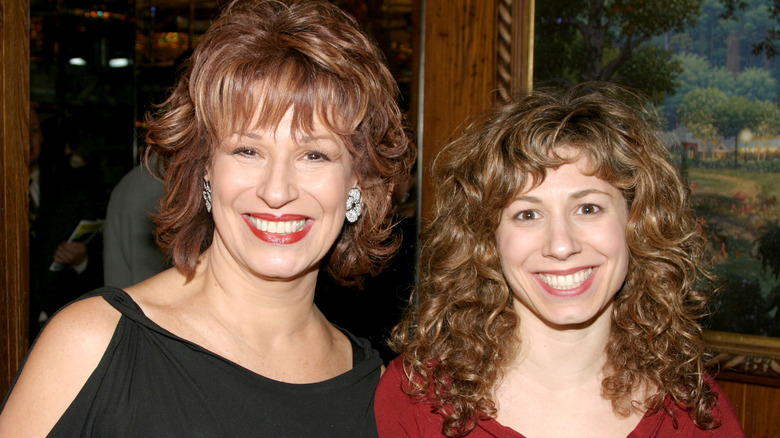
(14, 150)
(473, 52)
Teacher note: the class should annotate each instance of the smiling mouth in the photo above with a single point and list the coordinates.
(566, 282)
(278, 227)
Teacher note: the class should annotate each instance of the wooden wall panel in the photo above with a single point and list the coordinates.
(14, 152)
(757, 404)
(459, 72)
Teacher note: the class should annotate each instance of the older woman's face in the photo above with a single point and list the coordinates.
(279, 201)
(563, 246)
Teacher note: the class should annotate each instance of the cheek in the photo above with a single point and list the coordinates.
(615, 245)
(513, 242)
(513, 250)
(621, 256)
(610, 237)
(503, 247)
(624, 257)
(228, 179)
(330, 191)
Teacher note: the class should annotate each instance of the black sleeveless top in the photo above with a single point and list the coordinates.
(151, 383)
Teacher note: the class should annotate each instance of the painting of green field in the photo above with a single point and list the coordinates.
(739, 209)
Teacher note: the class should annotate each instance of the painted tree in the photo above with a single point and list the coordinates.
(768, 44)
(710, 114)
(697, 112)
(697, 72)
(769, 119)
(580, 40)
(734, 115)
(756, 84)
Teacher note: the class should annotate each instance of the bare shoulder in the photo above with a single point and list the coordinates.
(64, 356)
(87, 324)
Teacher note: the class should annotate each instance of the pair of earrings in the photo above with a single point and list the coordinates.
(354, 201)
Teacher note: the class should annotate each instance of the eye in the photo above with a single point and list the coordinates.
(316, 156)
(527, 215)
(588, 209)
(245, 152)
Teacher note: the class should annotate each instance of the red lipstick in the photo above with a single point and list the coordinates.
(279, 239)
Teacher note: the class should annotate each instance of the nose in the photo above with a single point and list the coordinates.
(562, 240)
(279, 185)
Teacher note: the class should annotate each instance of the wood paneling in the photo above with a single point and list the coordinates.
(459, 72)
(757, 404)
(14, 151)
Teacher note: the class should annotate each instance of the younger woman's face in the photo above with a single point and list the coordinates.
(563, 248)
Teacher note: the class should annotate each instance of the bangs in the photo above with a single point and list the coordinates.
(530, 153)
(535, 151)
(257, 97)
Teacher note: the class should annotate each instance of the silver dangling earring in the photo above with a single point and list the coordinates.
(354, 204)
(207, 195)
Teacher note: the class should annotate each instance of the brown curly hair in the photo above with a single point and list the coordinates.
(455, 340)
(275, 56)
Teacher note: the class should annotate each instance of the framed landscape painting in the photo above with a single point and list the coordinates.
(735, 192)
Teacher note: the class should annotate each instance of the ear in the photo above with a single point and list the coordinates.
(353, 181)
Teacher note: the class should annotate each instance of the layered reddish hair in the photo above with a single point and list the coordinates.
(458, 339)
(257, 61)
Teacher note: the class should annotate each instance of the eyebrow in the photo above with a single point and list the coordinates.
(576, 195)
(302, 140)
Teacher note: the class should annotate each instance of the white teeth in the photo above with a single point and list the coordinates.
(277, 227)
(566, 282)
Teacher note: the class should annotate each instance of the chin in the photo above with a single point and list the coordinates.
(283, 273)
(576, 319)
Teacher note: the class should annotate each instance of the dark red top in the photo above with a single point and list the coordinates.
(398, 416)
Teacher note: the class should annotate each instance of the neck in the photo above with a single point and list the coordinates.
(258, 306)
(562, 357)
(270, 327)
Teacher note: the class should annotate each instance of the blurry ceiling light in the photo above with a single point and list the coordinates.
(118, 62)
(77, 61)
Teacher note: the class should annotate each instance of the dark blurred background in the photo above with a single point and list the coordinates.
(96, 67)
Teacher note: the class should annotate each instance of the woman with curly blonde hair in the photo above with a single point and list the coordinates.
(559, 289)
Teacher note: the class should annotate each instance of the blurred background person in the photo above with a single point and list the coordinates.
(130, 251)
(64, 190)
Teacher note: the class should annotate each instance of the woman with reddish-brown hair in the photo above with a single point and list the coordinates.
(560, 283)
(280, 145)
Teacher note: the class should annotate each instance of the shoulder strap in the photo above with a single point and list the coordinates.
(121, 301)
